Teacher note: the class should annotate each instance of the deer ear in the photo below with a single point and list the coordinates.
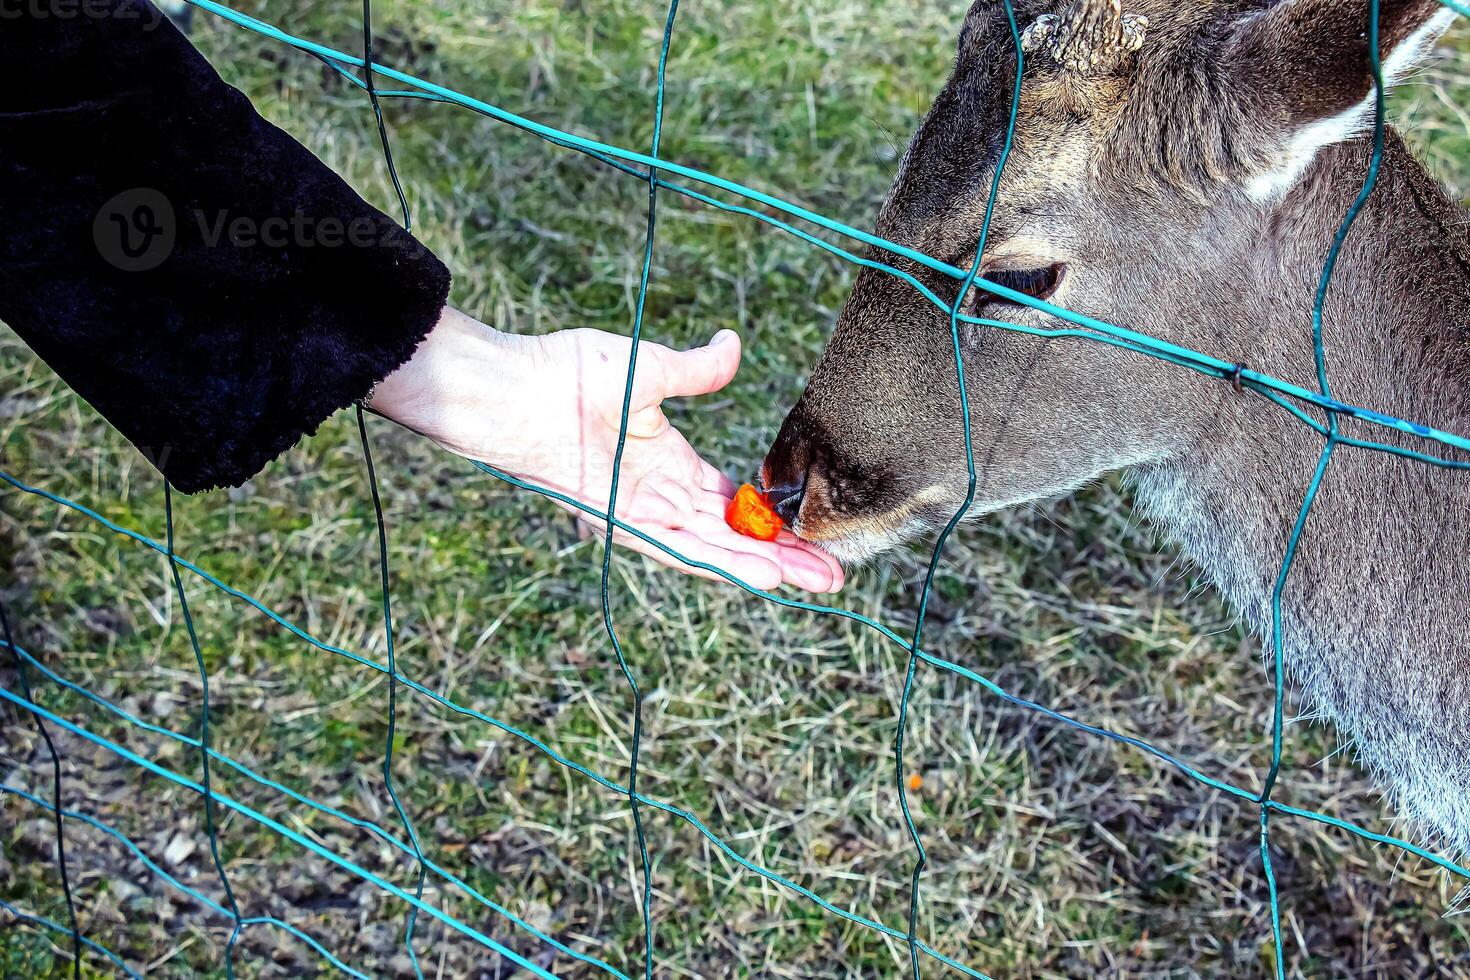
(1302, 70)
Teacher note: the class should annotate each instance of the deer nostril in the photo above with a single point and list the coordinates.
(792, 457)
(785, 499)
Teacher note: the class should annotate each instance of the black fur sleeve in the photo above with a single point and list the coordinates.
(193, 272)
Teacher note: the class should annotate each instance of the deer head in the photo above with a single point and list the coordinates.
(1166, 175)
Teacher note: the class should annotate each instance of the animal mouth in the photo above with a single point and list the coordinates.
(857, 539)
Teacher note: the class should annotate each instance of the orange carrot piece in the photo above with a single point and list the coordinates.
(750, 514)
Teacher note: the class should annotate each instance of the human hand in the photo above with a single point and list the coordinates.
(547, 409)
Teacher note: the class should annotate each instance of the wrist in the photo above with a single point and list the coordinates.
(460, 386)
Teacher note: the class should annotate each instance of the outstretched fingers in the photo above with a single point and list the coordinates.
(790, 542)
(705, 538)
(754, 570)
(806, 565)
(801, 565)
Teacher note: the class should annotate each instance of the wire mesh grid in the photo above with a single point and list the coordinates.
(365, 72)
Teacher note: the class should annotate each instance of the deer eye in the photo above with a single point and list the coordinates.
(1037, 283)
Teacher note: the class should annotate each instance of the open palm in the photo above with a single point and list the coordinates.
(665, 489)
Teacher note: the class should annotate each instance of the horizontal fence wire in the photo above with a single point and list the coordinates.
(651, 168)
(1144, 343)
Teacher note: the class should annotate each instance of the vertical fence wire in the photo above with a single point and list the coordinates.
(964, 399)
(388, 746)
(612, 502)
(370, 86)
(25, 690)
(211, 819)
(1319, 356)
(372, 92)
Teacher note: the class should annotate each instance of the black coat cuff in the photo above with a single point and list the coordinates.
(193, 272)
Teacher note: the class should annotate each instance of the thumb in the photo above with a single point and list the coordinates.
(702, 370)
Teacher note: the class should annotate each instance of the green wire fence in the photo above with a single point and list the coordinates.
(364, 72)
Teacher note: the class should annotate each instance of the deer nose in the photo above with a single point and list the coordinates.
(785, 499)
(784, 475)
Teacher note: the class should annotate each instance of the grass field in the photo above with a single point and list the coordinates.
(1051, 853)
